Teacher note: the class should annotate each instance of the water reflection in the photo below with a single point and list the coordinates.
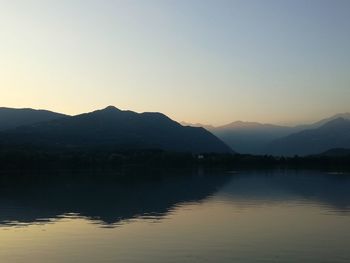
(327, 189)
(109, 199)
(104, 197)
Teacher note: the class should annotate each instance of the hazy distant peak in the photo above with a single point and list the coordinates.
(198, 125)
(248, 125)
(336, 123)
(345, 115)
(243, 124)
(333, 134)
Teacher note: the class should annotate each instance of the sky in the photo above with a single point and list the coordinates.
(210, 62)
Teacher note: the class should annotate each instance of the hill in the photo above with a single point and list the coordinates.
(11, 118)
(338, 152)
(117, 129)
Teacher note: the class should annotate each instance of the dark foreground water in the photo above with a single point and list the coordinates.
(274, 216)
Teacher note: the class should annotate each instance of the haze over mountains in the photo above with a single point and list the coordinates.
(332, 134)
(114, 128)
(249, 137)
(258, 138)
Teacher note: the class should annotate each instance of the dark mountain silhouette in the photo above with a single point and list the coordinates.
(333, 134)
(11, 118)
(338, 152)
(112, 127)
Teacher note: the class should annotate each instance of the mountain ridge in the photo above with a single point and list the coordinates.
(98, 127)
(254, 137)
(112, 127)
(14, 117)
(333, 134)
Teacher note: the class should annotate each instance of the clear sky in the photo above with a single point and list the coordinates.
(196, 61)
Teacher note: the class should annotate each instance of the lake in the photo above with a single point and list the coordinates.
(197, 216)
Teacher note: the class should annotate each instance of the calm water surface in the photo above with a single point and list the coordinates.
(249, 216)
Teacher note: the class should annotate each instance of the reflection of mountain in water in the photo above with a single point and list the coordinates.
(100, 197)
(109, 201)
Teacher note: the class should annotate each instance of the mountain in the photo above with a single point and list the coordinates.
(333, 134)
(205, 126)
(250, 137)
(117, 129)
(338, 152)
(318, 124)
(11, 118)
(255, 138)
(246, 137)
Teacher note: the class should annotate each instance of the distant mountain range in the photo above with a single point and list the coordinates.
(318, 124)
(332, 134)
(109, 127)
(258, 138)
(118, 129)
(249, 137)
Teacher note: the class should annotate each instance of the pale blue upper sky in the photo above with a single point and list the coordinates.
(212, 62)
